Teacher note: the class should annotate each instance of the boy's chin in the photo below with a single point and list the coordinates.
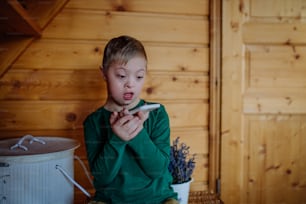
(130, 103)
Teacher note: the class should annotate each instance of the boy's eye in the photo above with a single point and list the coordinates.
(121, 76)
(139, 77)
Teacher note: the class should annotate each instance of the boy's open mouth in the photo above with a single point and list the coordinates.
(128, 96)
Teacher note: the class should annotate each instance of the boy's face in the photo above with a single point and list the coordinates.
(125, 82)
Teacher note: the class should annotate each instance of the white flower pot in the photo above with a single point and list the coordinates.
(182, 190)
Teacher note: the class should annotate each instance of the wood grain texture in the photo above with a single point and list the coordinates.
(182, 7)
(276, 67)
(268, 102)
(274, 33)
(231, 119)
(29, 84)
(276, 164)
(68, 54)
(106, 25)
(44, 11)
(263, 115)
(55, 83)
(10, 49)
(16, 20)
(70, 114)
(278, 8)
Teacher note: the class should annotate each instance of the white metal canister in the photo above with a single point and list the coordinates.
(32, 170)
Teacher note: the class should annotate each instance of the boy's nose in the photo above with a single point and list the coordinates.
(130, 82)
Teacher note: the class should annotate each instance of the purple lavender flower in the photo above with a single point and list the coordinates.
(182, 163)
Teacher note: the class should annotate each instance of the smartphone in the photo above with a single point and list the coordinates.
(145, 108)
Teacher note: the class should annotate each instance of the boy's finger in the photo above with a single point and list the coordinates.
(113, 117)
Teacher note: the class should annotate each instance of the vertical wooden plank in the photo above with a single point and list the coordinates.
(215, 91)
(231, 120)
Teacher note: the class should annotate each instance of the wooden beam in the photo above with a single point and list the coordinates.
(10, 49)
(16, 20)
(215, 96)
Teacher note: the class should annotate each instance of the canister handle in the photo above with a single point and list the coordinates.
(72, 180)
(26, 137)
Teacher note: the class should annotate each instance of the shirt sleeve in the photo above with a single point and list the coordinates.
(104, 154)
(152, 144)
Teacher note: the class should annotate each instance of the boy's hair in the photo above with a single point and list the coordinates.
(121, 49)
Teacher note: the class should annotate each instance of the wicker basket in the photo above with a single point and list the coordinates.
(202, 197)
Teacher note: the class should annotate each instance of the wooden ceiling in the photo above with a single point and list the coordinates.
(22, 21)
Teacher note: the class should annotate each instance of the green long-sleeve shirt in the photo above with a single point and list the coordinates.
(133, 172)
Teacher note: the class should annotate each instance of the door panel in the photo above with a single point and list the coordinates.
(263, 107)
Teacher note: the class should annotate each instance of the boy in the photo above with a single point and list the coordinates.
(128, 154)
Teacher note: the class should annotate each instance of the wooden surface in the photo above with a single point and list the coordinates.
(55, 83)
(20, 22)
(172, 28)
(215, 96)
(10, 49)
(264, 97)
(16, 20)
(182, 7)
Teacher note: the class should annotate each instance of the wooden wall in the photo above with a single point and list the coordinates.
(55, 83)
(264, 102)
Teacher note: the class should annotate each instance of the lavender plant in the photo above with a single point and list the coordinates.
(182, 163)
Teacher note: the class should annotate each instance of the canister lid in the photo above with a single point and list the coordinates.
(36, 145)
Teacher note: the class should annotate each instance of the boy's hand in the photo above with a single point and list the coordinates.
(127, 126)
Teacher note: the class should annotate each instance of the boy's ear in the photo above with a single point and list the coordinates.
(102, 72)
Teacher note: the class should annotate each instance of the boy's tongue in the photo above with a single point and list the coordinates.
(128, 96)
